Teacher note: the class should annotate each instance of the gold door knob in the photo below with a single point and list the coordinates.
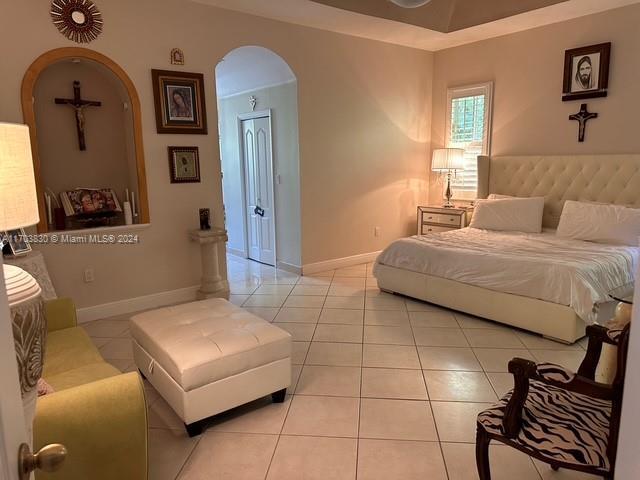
(48, 459)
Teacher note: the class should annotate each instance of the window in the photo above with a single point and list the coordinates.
(469, 127)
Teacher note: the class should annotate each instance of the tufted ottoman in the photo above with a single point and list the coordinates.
(209, 356)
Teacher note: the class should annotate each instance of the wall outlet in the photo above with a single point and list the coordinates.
(376, 231)
(88, 275)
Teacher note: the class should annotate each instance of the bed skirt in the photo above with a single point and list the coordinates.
(558, 322)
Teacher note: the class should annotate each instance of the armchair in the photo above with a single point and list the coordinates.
(559, 417)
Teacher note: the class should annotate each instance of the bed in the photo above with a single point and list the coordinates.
(538, 282)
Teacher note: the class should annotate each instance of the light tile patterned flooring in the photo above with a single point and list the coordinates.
(383, 387)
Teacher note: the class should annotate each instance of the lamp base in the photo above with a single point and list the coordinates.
(448, 194)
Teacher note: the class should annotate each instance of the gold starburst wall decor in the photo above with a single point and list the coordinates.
(78, 20)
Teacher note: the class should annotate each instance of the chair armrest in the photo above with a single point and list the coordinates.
(522, 371)
(597, 335)
(60, 314)
(103, 424)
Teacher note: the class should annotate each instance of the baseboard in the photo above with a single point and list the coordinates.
(135, 304)
(236, 252)
(288, 267)
(311, 268)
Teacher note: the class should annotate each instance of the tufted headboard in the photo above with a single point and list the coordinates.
(593, 178)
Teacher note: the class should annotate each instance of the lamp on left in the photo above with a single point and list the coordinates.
(19, 208)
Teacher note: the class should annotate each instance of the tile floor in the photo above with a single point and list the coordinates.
(383, 387)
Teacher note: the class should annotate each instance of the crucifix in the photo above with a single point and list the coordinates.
(582, 116)
(78, 104)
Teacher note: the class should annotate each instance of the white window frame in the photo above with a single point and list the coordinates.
(485, 89)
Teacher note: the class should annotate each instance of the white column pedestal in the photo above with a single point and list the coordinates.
(212, 283)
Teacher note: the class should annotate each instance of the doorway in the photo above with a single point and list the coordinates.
(258, 132)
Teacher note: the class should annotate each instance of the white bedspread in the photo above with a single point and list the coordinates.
(568, 272)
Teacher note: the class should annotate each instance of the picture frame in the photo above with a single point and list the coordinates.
(16, 242)
(179, 102)
(184, 164)
(586, 72)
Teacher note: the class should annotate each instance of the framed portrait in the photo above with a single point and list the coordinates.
(179, 102)
(586, 72)
(184, 164)
(15, 242)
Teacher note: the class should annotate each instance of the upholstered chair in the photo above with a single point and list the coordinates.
(559, 417)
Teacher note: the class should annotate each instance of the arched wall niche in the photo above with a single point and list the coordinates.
(122, 83)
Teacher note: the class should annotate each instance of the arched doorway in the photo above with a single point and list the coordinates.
(258, 131)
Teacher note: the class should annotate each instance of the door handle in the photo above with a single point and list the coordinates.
(48, 459)
(259, 211)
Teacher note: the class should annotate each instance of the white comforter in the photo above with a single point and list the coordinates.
(568, 272)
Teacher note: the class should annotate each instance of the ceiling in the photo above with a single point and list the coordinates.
(250, 68)
(435, 26)
(442, 15)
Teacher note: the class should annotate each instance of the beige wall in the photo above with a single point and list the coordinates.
(282, 100)
(364, 118)
(527, 68)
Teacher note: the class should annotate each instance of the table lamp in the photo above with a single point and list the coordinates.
(19, 208)
(447, 160)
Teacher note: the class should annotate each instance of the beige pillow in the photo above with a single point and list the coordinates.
(601, 223)
(509, 214)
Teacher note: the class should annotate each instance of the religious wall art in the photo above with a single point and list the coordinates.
(177, 56)
(90, 202)
(78, 104)
(184, 165)
(179, 102)
(14, 242)
(582, 117)
(586, 72)
(78, 20)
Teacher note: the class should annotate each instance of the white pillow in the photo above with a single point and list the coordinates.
(497, 196)
(598, 222)
(509, 214)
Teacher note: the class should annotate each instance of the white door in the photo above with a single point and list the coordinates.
(261, 226)
(12, 424)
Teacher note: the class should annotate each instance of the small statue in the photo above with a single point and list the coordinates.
(205, 218)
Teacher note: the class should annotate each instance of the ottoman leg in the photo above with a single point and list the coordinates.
(194, 429)
(278, 397)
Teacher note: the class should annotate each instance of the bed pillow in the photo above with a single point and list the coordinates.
(498, 196)
(600, 222)
(509, 214)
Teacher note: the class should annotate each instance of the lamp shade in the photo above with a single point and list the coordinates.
(18, 198)
(446, 159)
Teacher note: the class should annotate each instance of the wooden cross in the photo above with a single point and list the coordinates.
(78, 104)
(582, 116)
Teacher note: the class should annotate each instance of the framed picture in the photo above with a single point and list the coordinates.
(184, 164)
(179, 102)
(15, 242)
(586, 72)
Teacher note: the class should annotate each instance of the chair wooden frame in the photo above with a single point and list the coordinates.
(583, 382)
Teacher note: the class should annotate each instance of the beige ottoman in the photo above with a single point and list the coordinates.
(210, 356)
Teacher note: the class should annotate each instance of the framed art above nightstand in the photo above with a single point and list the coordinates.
(441, 219)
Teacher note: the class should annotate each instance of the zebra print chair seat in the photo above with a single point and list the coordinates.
(562, 426)
(563, 418)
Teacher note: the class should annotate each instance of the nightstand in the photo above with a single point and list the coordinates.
(441, 219)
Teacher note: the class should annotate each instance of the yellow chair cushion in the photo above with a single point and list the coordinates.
(68, 349)
(82, 375)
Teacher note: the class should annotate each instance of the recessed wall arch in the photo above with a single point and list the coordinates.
(28, 111)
